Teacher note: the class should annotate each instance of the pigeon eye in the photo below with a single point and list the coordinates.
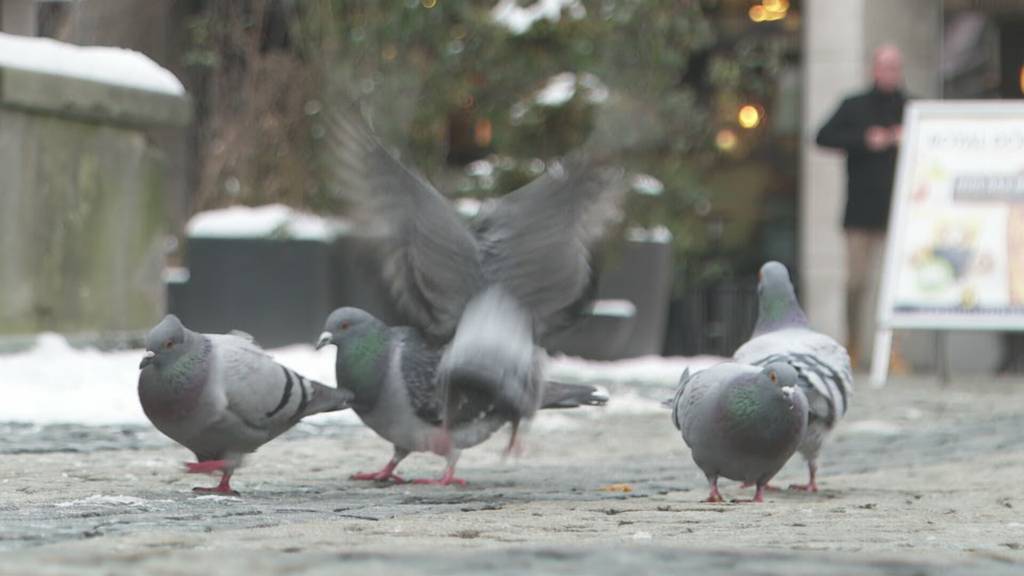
(169, 344)
(344, 325)
(773, 377)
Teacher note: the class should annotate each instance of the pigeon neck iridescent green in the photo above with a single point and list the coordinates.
(758, 414)
(362, 361)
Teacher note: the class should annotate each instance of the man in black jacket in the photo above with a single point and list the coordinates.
(868, 127)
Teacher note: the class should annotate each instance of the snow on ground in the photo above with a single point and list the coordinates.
(644, 371)
(56, 383)
(269, 221)
(96, 63)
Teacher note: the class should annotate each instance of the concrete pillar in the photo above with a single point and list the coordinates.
(833, 68)
(18, 17)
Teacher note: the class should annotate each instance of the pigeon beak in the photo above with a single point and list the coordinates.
(324, 340)
(147, 359)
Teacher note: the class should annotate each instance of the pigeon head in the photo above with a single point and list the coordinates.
(781, 374)
(165, 343)
(344, 322)
(774, 278)
(787, 380)
(777, 306)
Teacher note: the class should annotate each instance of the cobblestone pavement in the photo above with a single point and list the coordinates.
(918, 480)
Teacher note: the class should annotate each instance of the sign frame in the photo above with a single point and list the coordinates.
(887, 317)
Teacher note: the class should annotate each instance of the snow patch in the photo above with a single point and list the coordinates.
(631, 402)
(655, 235)
(55, 383)
(216, 498)
(175, 275)
(468, 207)
(269, 221)
(647, 185)
(879, 427)
(108, 65)
(518, 19)
(614, 308)
(560, 88)
(52, 382)
(658, 371)
(480, 168)
(101, 500)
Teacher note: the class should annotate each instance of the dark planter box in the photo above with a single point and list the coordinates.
(277, 290)
(639, 272)
(714, 319)
(281, 291)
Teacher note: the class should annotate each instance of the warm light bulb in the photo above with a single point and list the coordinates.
(757, 13)
(1022, 78)
(749, 116)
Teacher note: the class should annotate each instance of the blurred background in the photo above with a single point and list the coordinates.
(120, 196)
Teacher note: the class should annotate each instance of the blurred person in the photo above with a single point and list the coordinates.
(868, 126)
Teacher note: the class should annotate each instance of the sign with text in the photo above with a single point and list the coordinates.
(955, 250)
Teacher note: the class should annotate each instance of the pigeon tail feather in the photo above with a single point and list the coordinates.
(560, 395)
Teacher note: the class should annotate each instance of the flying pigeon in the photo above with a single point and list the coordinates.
(482, 296)
(741, 422)
(394, 375)
(222, 397)
(782, 334)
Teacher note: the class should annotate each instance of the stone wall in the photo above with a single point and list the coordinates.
(81, 204)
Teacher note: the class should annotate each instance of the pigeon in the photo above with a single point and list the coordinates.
(782, 334)
(741, 422)
(485, 294)
(393, 373)
(222, 397)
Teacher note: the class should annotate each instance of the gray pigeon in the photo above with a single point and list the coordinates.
(484, 296)
(741, 422)
(222, 397)
(782, 334)
(394, 374)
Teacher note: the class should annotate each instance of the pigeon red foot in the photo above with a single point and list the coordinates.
(715, 495)
(758, 497)
(812, 485)
(211, 467)
(385, 474)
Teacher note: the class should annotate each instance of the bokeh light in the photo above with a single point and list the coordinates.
(726, 140)
(749, 116)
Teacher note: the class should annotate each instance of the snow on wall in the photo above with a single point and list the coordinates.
(108, 65)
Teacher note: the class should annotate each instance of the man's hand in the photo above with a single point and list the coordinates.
(877, 138)
(896, 132)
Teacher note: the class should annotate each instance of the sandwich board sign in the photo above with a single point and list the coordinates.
(955, 250)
